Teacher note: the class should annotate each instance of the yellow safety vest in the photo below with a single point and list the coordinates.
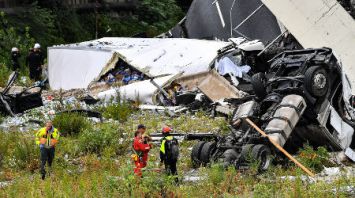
(162, 147)
(42, 133)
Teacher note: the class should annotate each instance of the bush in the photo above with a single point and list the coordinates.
(119, 109)
(71, 123)
(106, 136)
(314, 159)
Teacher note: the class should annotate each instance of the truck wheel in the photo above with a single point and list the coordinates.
(246, 152)
(230, 156)
(262, 154)
(207, 151)
(258, 82)
(195, 154)
(316, 81)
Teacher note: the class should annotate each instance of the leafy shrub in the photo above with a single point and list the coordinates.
(96, 140)
(71, 123)
(314, 159)
(119, 109)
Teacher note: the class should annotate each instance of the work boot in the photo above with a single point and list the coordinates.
(43, 176)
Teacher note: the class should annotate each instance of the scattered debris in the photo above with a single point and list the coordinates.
(328, 175)
(295, 95)
(193, 176)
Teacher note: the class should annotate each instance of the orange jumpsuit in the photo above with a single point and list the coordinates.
(142, 151)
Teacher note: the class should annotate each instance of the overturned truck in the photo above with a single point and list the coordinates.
(298, 99)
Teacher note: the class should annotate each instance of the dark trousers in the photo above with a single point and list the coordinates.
(35, 74)
(15, 67)
(170, 167)
(47, 155)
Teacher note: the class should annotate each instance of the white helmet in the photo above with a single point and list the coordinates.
(14, 49)
(37, 46)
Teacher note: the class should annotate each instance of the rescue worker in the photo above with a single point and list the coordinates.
(169, 151)
(15, 55)
(47, 138)
(141, 146)
(35, 61)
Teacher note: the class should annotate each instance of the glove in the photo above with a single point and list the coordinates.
(43, 140)
(54, 142)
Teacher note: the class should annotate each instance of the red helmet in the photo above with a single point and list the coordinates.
(166, 129)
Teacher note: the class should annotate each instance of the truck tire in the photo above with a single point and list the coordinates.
(229, 156)
(195, 154)
(316, 81)
(262, 154)
(258, 82)
(206, 152)
(246, 153)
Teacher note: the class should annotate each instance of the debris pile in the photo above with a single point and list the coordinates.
(294, 89)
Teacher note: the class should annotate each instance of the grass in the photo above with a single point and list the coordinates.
(102, 178)
(96, 163)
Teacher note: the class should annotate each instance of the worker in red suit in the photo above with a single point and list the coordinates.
(141, 146)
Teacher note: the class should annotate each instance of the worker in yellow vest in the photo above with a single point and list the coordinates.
(47, 138)
(169, 151)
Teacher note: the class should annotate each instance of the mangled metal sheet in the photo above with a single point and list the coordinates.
(16, 99)
(215, 87)
(320, 23)
(70, 68)
(76, 65)
(226, 19)
(344, 132)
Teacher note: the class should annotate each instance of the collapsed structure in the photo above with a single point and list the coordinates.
(295, 95)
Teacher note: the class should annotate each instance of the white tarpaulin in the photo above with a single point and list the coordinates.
(76, 65)
(320, 23)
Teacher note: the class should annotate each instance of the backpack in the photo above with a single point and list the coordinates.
(172, 149)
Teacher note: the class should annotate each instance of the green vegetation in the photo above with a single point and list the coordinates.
(104, 139)
(93, 160)
(118, 109)
(96, 163)
(314, 159)
(71, 123)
